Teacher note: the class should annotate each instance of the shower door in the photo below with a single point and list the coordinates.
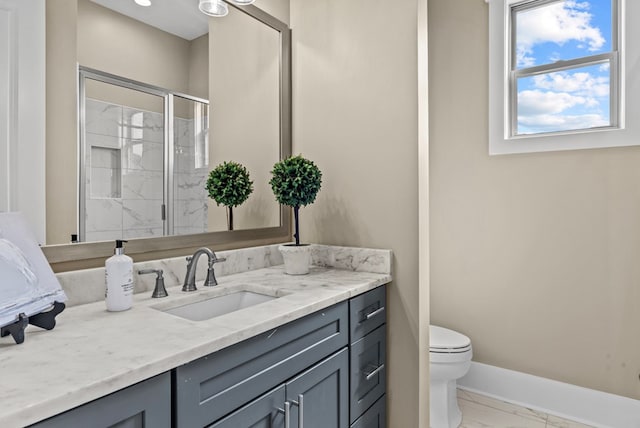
(143, 160)
(190, 166)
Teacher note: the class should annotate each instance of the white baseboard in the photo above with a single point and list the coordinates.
(588, 406)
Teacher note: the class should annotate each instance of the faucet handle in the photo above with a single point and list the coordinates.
(211, 280)
(211, 275)
(159, 290)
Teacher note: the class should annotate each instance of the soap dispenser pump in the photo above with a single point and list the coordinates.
(119, 280)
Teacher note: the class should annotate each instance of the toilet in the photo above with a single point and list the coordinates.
(449, 359)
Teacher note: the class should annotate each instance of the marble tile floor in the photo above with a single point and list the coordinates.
(479, 411)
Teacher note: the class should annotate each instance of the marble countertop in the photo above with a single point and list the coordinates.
(92, 352)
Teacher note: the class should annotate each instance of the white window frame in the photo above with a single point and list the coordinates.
(621, 134)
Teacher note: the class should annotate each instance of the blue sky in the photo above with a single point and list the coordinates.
(572, 99)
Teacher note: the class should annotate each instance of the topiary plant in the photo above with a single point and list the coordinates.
(229, 185)
(296, 181)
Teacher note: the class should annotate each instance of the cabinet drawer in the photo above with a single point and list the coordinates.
(368, 373)
(213, 386)
(375, 417)
(145, 404)
(367, 312)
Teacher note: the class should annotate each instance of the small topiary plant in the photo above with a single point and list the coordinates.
(295, 182)
(229, 185)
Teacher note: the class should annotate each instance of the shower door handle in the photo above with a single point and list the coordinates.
(163, 212)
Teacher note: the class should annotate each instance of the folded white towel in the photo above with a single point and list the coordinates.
(27, 283)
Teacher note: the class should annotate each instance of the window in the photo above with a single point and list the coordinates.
(563, 66)
(557, 77)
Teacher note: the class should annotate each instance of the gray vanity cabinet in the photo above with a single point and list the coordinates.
(317, 398)
(145, 404)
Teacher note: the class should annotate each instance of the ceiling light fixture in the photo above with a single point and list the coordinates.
(215, 8)
(143, 2)
(243, 2)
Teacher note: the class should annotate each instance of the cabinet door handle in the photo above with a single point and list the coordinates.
(287, 414)
(369, 374)
(373, 314)
(300, 411)
(300, 404)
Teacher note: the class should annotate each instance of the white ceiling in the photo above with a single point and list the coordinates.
(179, 17)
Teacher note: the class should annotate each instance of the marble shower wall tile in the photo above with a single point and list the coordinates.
(104, 183)
(191, 186)
(183, 132)
(141, 184)
(104, 156)
(142, 125)
(103, 215)
(102, 118)
(148, 232)
(143, 155)
(190, 213)
(97, 140)
(141, 214)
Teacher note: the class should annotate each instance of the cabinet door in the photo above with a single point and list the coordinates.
(264, 412)
(145, 404)
(320, 395)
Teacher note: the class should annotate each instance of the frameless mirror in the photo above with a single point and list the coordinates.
(131, 183)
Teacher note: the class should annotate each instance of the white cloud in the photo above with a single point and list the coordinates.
(536, 102)
(558, 23)
(555, 123)
(578, 83)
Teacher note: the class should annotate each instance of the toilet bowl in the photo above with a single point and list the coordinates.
(449, 359)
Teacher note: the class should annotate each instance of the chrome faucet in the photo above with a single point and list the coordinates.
(192, 262)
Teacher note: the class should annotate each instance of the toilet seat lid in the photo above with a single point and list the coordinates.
(442, 338)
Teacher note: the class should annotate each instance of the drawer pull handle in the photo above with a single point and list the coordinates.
(373, 314)
(372, 373)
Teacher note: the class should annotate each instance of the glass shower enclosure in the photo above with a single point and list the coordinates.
(143, 160)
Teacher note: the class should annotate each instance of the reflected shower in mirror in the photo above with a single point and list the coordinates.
(138, 179)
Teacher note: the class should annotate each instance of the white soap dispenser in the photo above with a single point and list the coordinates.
(119, 280)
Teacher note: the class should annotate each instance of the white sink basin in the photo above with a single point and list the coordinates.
(216, 306)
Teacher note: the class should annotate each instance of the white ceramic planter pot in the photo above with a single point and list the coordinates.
(297, 259)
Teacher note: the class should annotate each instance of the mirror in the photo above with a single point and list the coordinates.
(248, 82)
